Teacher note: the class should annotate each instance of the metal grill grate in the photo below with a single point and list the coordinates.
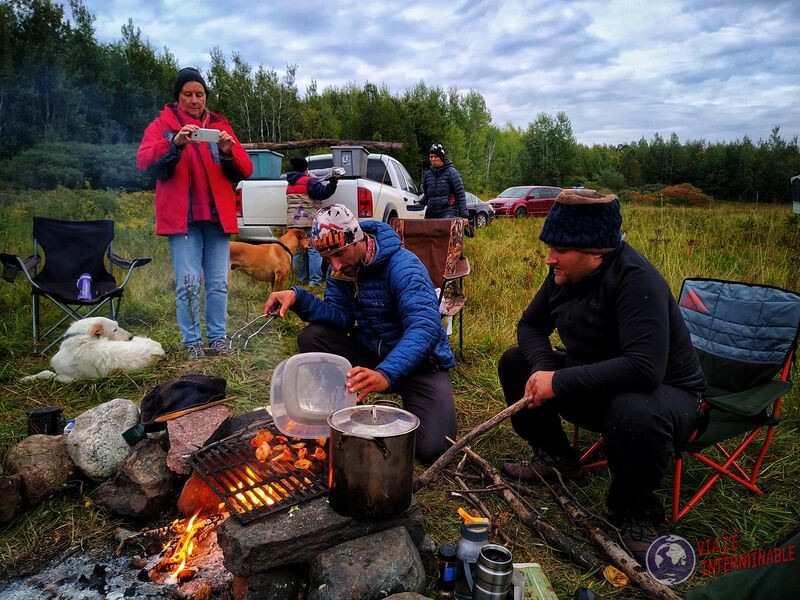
(252, 489)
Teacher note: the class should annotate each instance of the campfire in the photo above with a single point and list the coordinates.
(174, 565)
(255, 472)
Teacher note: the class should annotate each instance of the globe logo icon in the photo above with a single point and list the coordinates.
(670, 559)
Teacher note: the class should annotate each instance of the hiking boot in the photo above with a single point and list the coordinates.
(546, 466)
(221, 347)
(637, 535)
(195, 351)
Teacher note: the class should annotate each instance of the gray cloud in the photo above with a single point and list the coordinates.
(621, 70)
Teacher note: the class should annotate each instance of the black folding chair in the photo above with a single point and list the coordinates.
(70, 249)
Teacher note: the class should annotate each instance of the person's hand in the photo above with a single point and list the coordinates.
(279, 303)
(539, 388)
(184, 136)
(363, 382)
(225, 143)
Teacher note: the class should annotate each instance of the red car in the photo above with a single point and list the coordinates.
(522, 200)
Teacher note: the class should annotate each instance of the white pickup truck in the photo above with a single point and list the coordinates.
(388, 191)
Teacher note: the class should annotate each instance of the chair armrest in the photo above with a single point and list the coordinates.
(462, 269)
(125, 264)
(13, 264)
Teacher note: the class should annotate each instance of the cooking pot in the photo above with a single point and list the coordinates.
(371, 463)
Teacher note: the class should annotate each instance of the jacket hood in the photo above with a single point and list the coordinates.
(293, 176)
(387, 240)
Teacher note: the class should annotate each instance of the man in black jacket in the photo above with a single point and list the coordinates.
(628, 368)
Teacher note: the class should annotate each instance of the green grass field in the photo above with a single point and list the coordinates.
(732, 241)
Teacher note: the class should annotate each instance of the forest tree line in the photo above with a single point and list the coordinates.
(66, 99)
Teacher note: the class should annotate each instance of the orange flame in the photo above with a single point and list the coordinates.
(185, 546)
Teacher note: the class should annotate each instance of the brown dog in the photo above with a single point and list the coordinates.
(271, 262)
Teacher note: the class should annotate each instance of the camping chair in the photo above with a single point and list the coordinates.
(746, 337)
(438, 243)
(71, 248)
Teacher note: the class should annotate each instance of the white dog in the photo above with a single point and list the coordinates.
(96, 346)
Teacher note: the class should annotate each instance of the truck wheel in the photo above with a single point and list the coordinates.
(481, 220)
(520, 212)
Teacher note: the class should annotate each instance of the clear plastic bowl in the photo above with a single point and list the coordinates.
(306, 389)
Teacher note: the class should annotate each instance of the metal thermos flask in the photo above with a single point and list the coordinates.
(493, 572)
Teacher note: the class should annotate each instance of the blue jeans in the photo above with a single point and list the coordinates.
(201, 256)
(308, 267)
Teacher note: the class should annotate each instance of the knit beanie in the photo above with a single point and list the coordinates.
(335, 227)
(299, 164)
(584, 220)
(186, 75)
(438, 150)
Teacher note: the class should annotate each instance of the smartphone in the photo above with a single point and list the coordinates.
(205, 135)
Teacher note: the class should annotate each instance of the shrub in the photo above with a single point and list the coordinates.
(71, 165)
(685, 194)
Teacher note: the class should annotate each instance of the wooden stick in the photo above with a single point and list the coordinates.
(618, 555)
(432, 473)
(555, 538)
(323, 142)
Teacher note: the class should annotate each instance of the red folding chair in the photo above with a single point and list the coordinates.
(746, 337)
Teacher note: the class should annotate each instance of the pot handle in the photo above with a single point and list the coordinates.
(377, 441)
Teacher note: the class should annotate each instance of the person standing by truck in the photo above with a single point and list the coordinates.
(195, 205)
(304, 197)
(443, 189)
(380, 313)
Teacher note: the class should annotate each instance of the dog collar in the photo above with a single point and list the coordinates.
(284, 246)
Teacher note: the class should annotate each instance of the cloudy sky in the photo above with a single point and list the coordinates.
(620, 69)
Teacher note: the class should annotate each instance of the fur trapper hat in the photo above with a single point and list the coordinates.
(584, 220)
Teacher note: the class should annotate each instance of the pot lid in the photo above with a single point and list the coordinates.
(373, 420)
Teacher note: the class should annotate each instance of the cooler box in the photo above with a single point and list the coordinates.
(266, 164)
(353, 159)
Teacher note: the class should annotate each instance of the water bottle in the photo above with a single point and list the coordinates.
(85, 287)
(473, 537)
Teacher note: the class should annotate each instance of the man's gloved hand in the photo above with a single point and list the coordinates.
(469, 230)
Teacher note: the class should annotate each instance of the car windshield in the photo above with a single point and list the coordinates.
(514, 192)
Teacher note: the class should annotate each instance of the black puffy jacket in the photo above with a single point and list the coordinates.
(444, 193)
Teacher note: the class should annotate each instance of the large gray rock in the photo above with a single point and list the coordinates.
(43, 463)
(10, 497)
(297, 536)
(96, 444)
(369, 568)
(143, 487)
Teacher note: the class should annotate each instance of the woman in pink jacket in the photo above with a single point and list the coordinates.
(195, 205)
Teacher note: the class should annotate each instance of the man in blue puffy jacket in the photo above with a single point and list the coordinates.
(380, 311)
